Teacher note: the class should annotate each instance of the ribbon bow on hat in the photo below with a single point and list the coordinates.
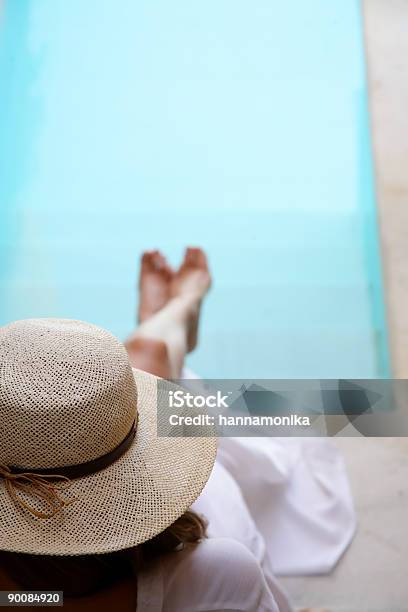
(40, 487)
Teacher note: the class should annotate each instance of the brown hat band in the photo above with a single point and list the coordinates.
(36, 482)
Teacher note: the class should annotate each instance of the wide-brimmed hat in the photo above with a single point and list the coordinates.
(82, 467)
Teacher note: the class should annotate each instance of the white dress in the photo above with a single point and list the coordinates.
(274, 506)
(220, 574)
(297, 491)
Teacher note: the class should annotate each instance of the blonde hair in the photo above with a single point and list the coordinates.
(86, 574)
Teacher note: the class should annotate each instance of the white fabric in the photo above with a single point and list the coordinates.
(285, 501)
(222, 503)
(218, 575)
(297, 492)
(274, 506)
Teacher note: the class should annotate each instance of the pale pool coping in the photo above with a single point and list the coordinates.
(386, 24)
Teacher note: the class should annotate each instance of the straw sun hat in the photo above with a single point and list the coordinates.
(71, 406)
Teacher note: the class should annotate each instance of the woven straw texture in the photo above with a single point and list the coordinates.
(68, 395)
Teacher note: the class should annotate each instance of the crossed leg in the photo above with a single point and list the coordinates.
(169, 309)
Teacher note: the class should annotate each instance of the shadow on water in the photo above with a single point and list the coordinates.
(19, 113)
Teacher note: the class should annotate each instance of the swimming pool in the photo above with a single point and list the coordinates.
(236, 126)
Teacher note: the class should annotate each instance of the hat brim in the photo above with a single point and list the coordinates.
(129, 502)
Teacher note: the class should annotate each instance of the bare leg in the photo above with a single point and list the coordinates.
(192, 280)
(169, 326)
(154, 284)
(149, 355)
(161, 342)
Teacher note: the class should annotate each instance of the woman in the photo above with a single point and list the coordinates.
(252, 486)
(293, 495)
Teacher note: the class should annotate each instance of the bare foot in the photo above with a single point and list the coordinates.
(192, 280)
(154, 284)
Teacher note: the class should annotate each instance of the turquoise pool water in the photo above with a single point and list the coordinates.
(234, 125)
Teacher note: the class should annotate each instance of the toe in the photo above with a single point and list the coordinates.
(146, 262)
(197, 257)
(157, 261)
(191, 255)
(202, 259)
